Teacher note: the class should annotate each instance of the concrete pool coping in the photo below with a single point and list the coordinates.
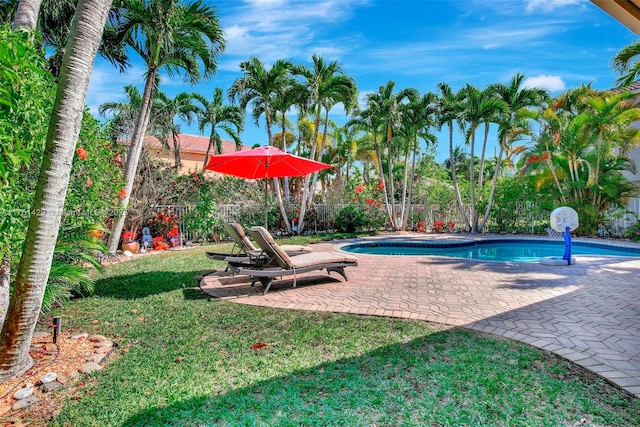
(588, 313)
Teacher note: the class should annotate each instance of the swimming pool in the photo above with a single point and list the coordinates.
(513, 250)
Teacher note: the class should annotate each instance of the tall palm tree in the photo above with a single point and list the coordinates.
(327, 85)
(290, 94)
(166, 110)
(480, 106)
(259, 86)
(64, 127)
(388, 106)
(418, 117)
(627, 63)
(514, 122)
(169, 35)
(450, 108)
(214, 113)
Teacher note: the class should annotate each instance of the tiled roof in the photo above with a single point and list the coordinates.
(194, 144)
(633, 87)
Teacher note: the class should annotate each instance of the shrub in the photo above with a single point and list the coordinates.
(351, 219)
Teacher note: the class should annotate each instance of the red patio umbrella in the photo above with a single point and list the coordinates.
(263, 163)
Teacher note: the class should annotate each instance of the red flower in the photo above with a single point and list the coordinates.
(259, 345)
(359, 188)
(128, 236)
(174, 232)
(89, 182)
(381, 185)
(122, 193)
(117, 159)
(82, 153)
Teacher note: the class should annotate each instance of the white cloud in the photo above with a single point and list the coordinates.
(550, 5)
(544, 81)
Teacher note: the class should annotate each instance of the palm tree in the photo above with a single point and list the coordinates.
(125, 113)
(64, 127)
(326, 86)
(388, 106)
(480, 106)
(418, 116)
(290, 94)
(450, 108)
(228, 118)
(259, 86)
(166, 110)
(627, 64)
(172, 36)
(514, 122)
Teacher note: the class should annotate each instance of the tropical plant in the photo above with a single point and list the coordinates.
(351, 219)
(124, 112)
(202, 221)
(627, 64)
(170, 35)
(383, 118)
(38, 250)
(327, 86)
(478, 107)
(25, 103)
(259, 85)
(165, 111)
(581, 150)
(514, 122)
(228, 118)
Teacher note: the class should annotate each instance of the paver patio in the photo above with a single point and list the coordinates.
(588, 313)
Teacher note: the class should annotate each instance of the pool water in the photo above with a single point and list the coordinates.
(490, 250)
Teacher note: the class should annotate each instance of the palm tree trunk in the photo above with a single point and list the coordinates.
(307, 179)
(133, 156)
(382, 178)
(5, 282)
(392, 189)
(287, 195)
(494, 185)
(312, 191)
(27, 14)
(454, 178)
(472, 184)
(484, 149)
(276, 181)
(403, 209)
(211, 142)
(64, 128)
(405, 218)
(176, 151)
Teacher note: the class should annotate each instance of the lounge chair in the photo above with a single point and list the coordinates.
(286, 265)
(245, 253)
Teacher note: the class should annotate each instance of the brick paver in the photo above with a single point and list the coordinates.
(588, 313)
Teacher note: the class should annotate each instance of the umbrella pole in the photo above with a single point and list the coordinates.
(266, 205)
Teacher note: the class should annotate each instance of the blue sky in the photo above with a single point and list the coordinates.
(556, 44)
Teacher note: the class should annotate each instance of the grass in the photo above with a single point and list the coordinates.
(187, 360)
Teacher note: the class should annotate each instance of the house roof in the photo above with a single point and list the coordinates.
(194, 144)
(626, 12)
(633, 87)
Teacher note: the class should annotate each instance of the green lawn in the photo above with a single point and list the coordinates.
(187, 360)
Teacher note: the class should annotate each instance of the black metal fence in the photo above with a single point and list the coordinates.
(528, 219)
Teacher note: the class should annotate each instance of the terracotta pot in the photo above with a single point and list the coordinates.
(421, 227)
(132, 247)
